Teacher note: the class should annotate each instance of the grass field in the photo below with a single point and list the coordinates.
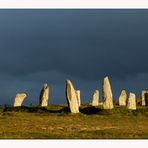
(55, 122)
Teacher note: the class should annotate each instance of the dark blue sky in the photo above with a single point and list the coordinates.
(38, 46)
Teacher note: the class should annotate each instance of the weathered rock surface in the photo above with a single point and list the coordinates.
(95, 99)
(19, 98)
(143, 97)
(107, 94)
(72, 97)
(131, 104)
(44, 94)
(78, 97)
(123, 98)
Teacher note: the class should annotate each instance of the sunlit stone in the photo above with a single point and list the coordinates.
(72, 97)
(19, 98)
(122, 98)
(107, 94)
(131, 104)
(78, 97)
(95, 99)
(44, 94)
(143, 97)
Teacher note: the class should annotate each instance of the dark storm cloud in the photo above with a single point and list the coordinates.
(84, 45)
(74, 41)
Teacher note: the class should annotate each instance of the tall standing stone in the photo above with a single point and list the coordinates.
(95, 100)
(143, 97)
(107, 94)
(72, 97)
(78, 97)
(131, 104)
(44, 94)
(19, 98)
(122, 98)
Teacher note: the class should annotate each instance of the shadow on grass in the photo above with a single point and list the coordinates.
(85, 110)
(90, 110)
(36, 109)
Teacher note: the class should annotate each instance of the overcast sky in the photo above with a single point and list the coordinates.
(50, 46)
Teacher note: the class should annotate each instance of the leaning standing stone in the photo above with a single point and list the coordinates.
(72, 97)
(95, 100)
(122, 98)
(107, 94)
(19, 98)
(44, 94)
(131, 104)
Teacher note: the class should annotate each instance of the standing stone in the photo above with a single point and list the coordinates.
(146, 98)
(131, 104)
(107, 94)
(95, 100)
(122, 98)
(78, 97)
(19, 98)
(72, 97)
(44, 94)
(143, 97)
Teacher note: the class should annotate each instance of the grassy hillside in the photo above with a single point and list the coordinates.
(55, 121)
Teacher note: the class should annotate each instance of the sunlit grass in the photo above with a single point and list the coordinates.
(55, 121)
